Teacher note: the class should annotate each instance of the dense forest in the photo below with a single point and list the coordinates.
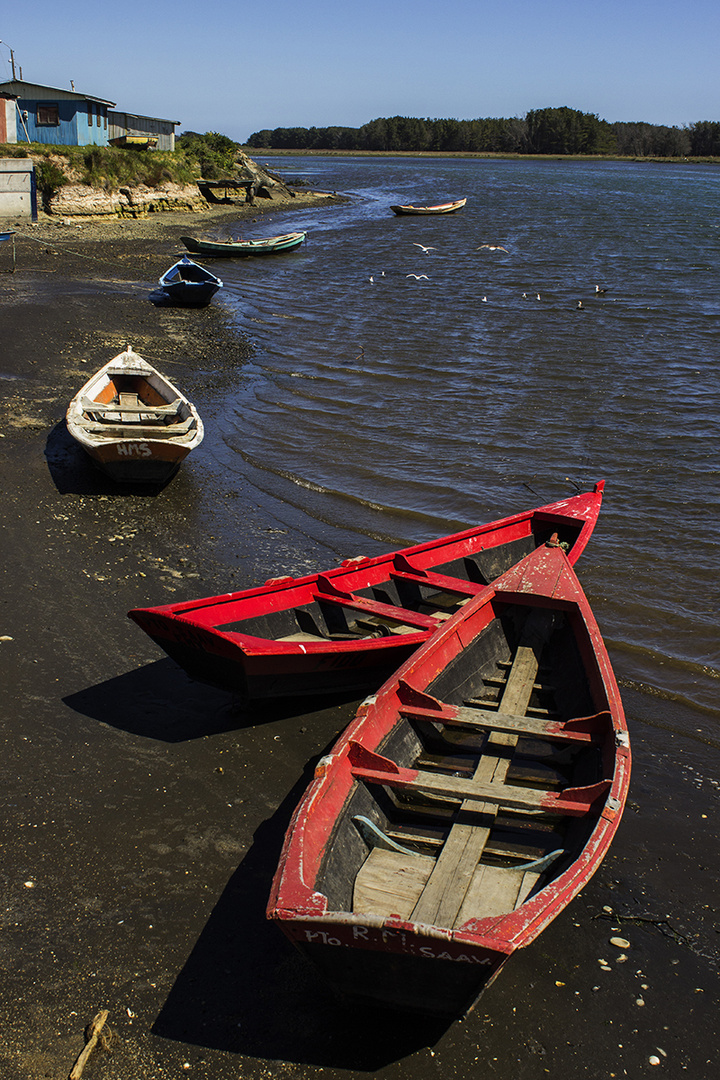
(542, 131)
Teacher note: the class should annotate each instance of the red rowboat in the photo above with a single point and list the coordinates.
(467, 803)
(347, 630)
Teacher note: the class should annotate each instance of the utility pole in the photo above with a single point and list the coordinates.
(12, 59)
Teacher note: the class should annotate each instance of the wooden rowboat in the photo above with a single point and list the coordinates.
(467, 803)
(442, 208)
(189, 284)
(134, 424)
(270, 245)
(347, 630)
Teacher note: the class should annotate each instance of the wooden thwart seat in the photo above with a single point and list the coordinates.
(438, 581)
(130, 405)
(138, 431)
(474, 792)
(577, 730)
(327, 592)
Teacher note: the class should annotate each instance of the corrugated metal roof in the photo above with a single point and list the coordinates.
(20, 88)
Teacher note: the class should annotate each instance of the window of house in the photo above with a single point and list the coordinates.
(48, 115)
(98, 121)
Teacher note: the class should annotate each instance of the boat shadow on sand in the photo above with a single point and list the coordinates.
(159, 701)
(73, 473)
(245, 990)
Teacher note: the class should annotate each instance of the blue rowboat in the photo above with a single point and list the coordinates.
(190, 284)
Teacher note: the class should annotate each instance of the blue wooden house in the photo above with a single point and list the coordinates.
(46, 114)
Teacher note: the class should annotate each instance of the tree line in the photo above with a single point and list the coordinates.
(542, 131)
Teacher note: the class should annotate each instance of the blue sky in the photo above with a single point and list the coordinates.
(239, 67)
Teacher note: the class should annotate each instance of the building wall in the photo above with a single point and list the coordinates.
(120, 124)
(8, 121)
(63, 122)
(18, 194)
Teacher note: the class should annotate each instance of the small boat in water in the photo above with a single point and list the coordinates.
(189, 284)
(134, 424)
(442, 208)
(347, 630)
(269, 245)
(466, 805)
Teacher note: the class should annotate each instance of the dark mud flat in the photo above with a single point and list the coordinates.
(144, 813)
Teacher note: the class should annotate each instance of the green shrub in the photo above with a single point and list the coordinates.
(50, 177)
(215, 154)
(211, 156)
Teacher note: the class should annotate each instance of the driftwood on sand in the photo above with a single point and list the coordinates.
(93, 1036)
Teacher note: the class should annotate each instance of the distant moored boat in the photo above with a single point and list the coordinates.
(269, 245)
(441, 208)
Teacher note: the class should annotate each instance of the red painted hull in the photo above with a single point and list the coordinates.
(375, 949)
(233, 640)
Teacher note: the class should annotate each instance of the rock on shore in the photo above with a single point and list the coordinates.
(78, 200)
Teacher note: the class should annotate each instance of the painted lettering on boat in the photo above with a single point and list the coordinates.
(134, 449)
(325, 938)
(402, 941)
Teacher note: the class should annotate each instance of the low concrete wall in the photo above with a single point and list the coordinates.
(18, 192)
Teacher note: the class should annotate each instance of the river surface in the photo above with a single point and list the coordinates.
(380, 409)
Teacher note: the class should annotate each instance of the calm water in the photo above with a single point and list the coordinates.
(387, 411)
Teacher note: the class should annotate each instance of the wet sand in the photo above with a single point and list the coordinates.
(144, 813)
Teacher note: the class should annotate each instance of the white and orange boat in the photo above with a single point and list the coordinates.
(134, 424)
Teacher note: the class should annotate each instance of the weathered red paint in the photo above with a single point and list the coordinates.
(194, 633)
(544, 577)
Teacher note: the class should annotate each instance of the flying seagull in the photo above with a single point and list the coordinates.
(492, 247)
(425, 249)
(418, 276)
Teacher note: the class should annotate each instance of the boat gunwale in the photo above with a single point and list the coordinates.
(549, 513)
(131, 364)
(302, 855)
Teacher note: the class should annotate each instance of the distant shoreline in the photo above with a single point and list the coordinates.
(258, 152)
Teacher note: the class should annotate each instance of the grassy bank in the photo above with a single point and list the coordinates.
(108, 168)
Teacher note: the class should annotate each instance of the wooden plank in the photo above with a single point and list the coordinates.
(442, 898)
(136, 406)
(442, 582)
(327, 593)
(389, 883)
(489, 720)
(128, 407)
(469, 789)
(495, 890)
(137, 431)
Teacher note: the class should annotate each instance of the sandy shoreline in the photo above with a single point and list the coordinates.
(144, 813)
